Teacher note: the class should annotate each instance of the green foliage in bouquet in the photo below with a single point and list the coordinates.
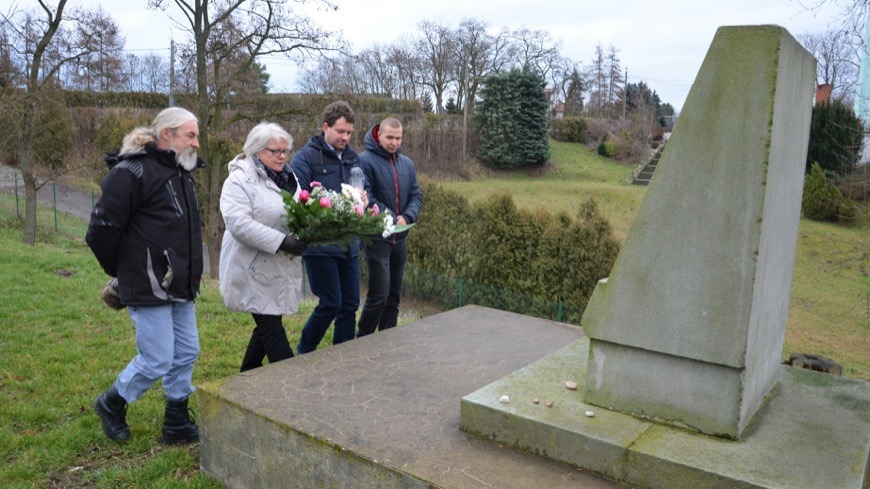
(325, 217)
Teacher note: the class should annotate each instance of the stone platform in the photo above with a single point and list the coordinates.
(382, 411)
(812, 432)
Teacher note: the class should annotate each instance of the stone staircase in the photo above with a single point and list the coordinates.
(644, 173)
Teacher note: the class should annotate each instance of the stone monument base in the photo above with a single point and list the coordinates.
(813, 431)
(382, 411)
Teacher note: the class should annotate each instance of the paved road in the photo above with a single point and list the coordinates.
(69, 199)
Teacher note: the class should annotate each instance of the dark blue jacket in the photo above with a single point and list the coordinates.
(317, 162)
(391, 181)
(146, 228)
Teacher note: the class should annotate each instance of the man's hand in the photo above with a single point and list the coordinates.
(400, 221)
(110, 295)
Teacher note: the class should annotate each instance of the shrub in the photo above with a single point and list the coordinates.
(822, 200)
(835, 138)
(569, 129)
(112, 129)
(516, 251)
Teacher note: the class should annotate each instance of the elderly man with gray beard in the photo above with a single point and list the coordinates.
(146, 231)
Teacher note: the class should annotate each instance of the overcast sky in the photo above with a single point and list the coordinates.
(660, 42)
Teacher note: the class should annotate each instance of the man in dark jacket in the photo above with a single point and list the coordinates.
(146, 231)
(392, 181)
(333, 272)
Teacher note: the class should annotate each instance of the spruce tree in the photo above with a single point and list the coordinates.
(835, 138)
(513, 120)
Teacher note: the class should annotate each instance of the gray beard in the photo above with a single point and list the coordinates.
(186, 158)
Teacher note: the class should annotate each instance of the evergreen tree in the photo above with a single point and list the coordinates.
(835, 138)
(513, 120)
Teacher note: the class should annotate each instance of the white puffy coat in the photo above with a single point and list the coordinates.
(254, 276)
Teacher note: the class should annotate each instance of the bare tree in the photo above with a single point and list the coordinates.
(227, 37)
(100, 70)
(436, 48)
(475, 51)
(598, 85)
(42, 53)
(838, 60)
(615, 83)
(536, 50)
(406, 63)
(565, 80)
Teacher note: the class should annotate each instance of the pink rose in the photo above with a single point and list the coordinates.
(316, 184)
(358, 210)
(375, 210)
(303, 196)
(325, 202)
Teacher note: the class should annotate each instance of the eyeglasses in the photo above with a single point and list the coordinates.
(276, 152)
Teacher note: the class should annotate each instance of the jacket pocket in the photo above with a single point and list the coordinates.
(264, 270)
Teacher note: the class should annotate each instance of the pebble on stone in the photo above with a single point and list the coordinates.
(549, 403)
(571, 385)
(504, 399)
(536, 401)
(590, 414)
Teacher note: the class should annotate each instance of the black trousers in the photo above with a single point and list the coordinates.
(386, 262)
(269, 339)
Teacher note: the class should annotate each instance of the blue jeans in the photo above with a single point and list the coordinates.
(168, 344)
(386, 263)
(335, 281)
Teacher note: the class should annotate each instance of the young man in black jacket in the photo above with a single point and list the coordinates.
(333, 272)
(392, 180)
(146, 231)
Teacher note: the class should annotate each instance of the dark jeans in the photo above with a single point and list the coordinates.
(386, 262)
(269, 339)
(335, 282)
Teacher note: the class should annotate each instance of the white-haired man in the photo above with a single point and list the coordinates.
(146, 231)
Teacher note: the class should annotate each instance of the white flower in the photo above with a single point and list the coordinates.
(389, 227)
(352, 193)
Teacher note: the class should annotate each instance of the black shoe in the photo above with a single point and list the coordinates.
(177, 425)
(112, 410)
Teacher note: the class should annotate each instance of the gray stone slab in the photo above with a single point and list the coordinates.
(382, 411)
(813, 432)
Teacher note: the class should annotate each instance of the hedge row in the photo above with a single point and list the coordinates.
(550, 259)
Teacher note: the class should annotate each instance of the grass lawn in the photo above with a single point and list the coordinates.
(60, 346)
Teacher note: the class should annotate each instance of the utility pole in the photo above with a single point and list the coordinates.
(624, 92)
(172, 73)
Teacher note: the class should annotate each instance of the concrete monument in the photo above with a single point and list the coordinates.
(688, 329)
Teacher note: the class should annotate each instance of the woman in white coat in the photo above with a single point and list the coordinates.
(260, 263)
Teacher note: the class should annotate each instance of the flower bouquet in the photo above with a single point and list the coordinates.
(326, 217)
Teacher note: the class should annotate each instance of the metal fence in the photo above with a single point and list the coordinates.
(443, 291)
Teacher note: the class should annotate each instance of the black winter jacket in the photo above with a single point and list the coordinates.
(391, 181)
(316, 162)
(146, 228)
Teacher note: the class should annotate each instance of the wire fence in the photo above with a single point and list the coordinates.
(443, 291)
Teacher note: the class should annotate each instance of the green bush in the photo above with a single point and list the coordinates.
(52, 130)
(443, 240)
(503, 252)
(836, 138)
(569, 129)
(112, 129)
(513, 120)
(822, 200)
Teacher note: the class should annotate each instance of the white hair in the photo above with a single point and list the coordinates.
(262, 134)
(171, 118)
